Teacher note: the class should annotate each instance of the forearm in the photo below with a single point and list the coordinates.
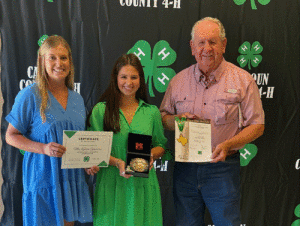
(169, 122)
(23, 143)
(114, 161)
(247, 135)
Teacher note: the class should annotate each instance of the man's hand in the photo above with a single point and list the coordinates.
(188, 115)
(248, 134)
(220, 152)
(169, 120)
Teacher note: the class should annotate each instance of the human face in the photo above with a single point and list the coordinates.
(128, 81)
(57, 63)
(207, 46)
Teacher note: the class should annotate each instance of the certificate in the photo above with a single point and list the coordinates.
(192, 140)
(86, 148)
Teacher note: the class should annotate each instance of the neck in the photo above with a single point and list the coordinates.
(127, 101)
(54, 87)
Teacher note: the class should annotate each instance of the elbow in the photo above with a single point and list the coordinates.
(164, 121)
(8, 138)
(168, 122)
(261, 130)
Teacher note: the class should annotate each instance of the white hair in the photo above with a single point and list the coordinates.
(214, 20)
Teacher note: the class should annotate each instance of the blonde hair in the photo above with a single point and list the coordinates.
(222, 33)
(42, 77)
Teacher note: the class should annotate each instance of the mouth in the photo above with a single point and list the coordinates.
(128, 88)
(58, 70)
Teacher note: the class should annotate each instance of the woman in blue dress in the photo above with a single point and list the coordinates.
(52, 196)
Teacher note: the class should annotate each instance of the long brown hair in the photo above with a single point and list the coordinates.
(42, 76)
(112, 94)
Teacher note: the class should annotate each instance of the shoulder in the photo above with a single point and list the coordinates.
(150, 108)
(76, 95)
(29, 93)
(238, 72)
(182, 75)
(99, 107)
(29, 90)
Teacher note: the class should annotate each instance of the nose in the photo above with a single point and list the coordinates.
(129, 81)
(207, 46)
(59, 62)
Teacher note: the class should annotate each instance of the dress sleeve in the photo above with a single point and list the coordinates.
(96, 118)
(158, 137)
(22, 113)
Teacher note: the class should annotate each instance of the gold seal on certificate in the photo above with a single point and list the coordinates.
(86, 148)
(192, 140)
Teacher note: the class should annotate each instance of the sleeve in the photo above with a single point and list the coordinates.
(167, 105)
(158, 137)
(22, 113)
(251, 106)
(96, 118)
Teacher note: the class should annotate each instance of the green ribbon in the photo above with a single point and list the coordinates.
(180, 123)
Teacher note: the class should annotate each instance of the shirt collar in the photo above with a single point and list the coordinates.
(219, 71)
(215, 74)
(142, 102)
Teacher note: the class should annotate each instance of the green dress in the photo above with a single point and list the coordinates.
(135, 201)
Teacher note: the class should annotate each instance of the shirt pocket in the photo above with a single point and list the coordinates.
(184, 105)
(227, 107)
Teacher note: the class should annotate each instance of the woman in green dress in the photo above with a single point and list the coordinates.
(121, 199)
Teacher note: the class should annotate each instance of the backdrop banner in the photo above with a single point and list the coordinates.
(263, 38)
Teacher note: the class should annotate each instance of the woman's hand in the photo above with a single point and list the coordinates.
(120, 164)
(151, 162)
(93, 170)
(156, 153)
(53, 149)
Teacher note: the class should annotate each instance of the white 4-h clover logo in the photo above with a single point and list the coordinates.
(250, 54)
(155, 67)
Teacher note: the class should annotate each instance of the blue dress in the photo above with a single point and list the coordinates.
(51, 194)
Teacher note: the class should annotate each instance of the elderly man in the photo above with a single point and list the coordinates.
(228, 96)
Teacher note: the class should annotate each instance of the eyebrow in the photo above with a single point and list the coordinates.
(129, 75)
(51, 54)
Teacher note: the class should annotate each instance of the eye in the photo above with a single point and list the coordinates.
(64, 58)
(134, 77)
(52, 57)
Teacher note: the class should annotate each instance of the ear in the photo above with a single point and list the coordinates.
(224, 44)
(192, 47)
